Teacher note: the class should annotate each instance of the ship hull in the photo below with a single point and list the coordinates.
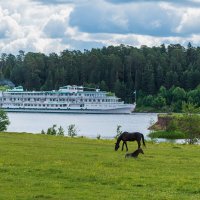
(126, 110)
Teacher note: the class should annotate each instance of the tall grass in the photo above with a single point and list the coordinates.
(168, 134)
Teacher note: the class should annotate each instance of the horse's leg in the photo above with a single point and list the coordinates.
(123, 146)
(126, 146)
(139, 144)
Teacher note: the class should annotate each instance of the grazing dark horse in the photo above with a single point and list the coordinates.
(134, 154)
(126, 136)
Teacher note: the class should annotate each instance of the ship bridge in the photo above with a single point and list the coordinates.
(71, 89)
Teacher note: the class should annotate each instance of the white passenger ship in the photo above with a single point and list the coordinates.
(68, 99)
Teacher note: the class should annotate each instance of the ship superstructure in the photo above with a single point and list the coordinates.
(68, 99)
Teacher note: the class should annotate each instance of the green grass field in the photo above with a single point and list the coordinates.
(50, 167)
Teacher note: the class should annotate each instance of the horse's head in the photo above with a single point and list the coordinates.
(140, 151)
(116, 146)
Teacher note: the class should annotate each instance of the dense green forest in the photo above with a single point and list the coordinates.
(163, 77)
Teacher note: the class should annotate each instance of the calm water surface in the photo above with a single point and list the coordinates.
(89, 125)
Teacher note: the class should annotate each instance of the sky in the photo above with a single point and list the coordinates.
(55, 25)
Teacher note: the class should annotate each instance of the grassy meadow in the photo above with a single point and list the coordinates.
(58, 168)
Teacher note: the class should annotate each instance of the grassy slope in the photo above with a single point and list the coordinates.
(49, 167)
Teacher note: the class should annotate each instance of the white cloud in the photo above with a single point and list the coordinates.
(9, 27)
(189, 22)
(134, 18)
(22, 26)
(54, 25)
(57, 24)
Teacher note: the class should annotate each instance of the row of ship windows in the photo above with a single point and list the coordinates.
(67, 100)
(40, 105)
(47, 105)
(60, 94)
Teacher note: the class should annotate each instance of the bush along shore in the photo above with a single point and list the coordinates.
(178, 126)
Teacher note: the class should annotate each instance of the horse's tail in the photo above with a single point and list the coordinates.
(143, 140)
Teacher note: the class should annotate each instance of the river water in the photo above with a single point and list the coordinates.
(89, 125)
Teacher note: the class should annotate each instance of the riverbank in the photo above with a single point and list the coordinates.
(176, 126)
(51, 167)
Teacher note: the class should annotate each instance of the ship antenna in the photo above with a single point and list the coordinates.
(135, 93)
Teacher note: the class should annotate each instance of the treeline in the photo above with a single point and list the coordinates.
(171, 100)
(121, 69)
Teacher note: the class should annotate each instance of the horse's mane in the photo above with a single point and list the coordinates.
(119, 138)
